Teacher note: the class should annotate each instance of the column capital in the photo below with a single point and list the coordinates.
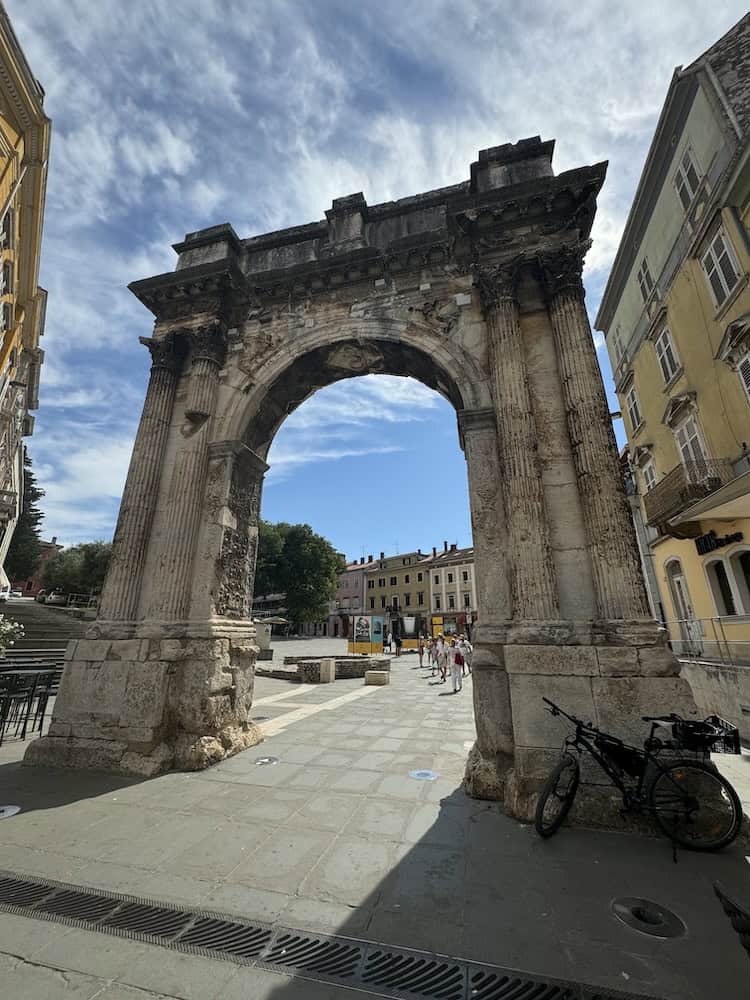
(165, 352)
(208, 342)
(562, 267)
(496, 283)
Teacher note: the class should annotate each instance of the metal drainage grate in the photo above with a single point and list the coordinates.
(393, 972)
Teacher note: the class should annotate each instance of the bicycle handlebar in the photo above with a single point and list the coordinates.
(556, 710)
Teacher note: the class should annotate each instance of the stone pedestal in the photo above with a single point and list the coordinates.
(142, 706)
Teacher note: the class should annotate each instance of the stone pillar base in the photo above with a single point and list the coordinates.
(139, 707)
(611, 686)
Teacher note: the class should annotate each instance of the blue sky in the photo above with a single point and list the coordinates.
(171, 117)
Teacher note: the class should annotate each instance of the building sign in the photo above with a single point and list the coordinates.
(711, 541)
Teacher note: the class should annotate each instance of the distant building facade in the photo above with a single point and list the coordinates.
(397, 583)
(31, 586)
(676, 317)
(453, 589)
(24, 149)
(349, 599)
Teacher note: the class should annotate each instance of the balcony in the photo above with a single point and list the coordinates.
(8, 501)
(684, 486)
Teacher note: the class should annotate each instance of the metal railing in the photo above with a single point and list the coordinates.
(709, 639)
(683, 486)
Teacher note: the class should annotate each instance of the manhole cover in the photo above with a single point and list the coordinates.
(266, 760)
(648, 917)
(6, 811)
(424, 775)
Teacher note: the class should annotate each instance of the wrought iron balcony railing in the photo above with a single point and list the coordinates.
(685, 485)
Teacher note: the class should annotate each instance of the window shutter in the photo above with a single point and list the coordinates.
(744, 373)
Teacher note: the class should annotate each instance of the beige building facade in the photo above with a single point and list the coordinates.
(676, 316)
(24, 150)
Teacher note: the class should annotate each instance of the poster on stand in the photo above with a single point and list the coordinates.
(378, 626)
(362, 629)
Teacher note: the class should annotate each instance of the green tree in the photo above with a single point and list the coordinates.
(309, 572)
(25, 548)
(78, 570)
(268, 563)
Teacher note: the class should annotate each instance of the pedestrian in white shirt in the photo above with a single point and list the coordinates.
(442, 658)
(455, 662)
(467, 651)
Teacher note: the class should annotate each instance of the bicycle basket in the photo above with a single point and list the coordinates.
(714, 735)
(626, 758)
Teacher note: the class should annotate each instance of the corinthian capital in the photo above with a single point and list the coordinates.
(208, 342)
(165, 352)
(562, 268)
(495, 283)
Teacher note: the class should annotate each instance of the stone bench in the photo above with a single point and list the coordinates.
(378, 678)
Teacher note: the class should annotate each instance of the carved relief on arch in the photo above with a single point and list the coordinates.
(232, 504)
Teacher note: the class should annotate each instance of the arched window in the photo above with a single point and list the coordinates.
(739, 562)
(721, 588)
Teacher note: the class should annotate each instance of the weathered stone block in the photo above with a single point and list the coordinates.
(565, 660)
(145, 692)
(658, 661)
(70, 649)
(621, 701)
(327, 670)
(147, 765)
(93, 649)
(535, 727)
(128, 649)
(378, 677)
(91, 754)
(617, 661)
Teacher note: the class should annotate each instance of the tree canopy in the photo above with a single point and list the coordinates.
(25, 548)
(78, 570)
(293, 560)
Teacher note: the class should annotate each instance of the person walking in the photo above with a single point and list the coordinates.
(390, 642)
(456, 663)
(420, 649)
(442, 658)
(467, 651)
(432, 655)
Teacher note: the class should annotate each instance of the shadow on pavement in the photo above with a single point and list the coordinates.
(34, 788)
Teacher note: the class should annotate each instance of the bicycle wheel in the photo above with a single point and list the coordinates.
(696, 806)
(557, 796)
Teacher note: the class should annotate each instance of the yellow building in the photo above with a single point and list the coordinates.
(24, 149)
(676, 316)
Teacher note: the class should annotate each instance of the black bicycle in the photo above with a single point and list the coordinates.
(671, 779)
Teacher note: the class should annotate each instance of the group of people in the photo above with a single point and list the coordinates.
(446, 654)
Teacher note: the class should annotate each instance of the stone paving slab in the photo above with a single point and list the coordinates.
(337, 838)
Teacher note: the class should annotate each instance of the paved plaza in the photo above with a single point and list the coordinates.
(337, 837)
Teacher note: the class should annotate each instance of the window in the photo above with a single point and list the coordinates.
(465, 576)
(721, 588)
(467, 600)
(372, 603)
(687, 180)
(451, 601)
(7, 280)
(355, 602)
(437, 602)
(381, 581)
(645, 281)
(393, 581)
(437, 578)
(382, 602)
(419, 577)
(743, 370)
(689, 442)
(406, 578)
(370, 584)
(450, 578)
(345, 603)
(406, 562)
(394, 601)
(740, 563)
(634, 409)
(721, 268)
(649, 476)
(407, 600)
(6, 239)
(617, 347)
(420, 598)
(667, 355)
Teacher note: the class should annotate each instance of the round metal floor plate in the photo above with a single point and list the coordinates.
(424, 775)
(6, 811)
(647, 917)
(266, 760)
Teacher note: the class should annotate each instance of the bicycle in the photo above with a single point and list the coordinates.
(693, 804)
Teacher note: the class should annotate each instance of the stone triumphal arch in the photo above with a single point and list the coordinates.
(476, 291)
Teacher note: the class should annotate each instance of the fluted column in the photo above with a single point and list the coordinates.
(532, 574)
(171, 598)
(616, 568)
(119, 600)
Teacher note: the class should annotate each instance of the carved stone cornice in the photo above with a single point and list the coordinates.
(165, 352)
(214, 287)
(208, 343)
(562, 268)
(496, 283)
